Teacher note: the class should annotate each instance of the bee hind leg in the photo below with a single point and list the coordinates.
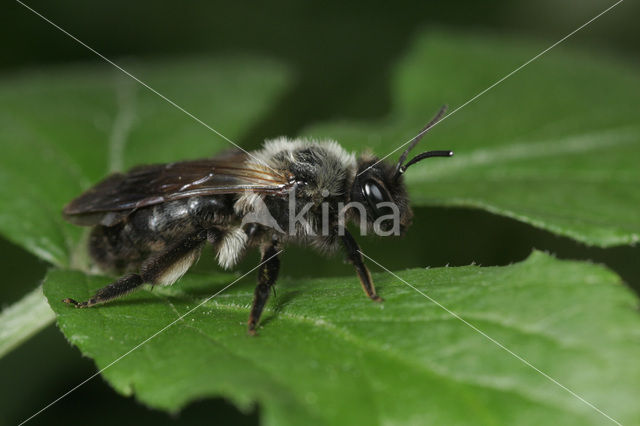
(116, 289)
(164, 268)
(267, 276)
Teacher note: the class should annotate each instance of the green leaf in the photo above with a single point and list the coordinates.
(556, 145)
(23, 319)
(328, 355)
(62, 130)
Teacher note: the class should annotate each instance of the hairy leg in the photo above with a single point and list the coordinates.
(267, 275)
(164, 268)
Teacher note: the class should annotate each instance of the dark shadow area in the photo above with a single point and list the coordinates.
(457, 237)
(280, 300)
(21, 272)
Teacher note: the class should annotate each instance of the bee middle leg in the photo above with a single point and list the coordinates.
(267, 276)
(164, 268)
(355, 258)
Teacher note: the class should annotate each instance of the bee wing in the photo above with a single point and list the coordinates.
(143, 186)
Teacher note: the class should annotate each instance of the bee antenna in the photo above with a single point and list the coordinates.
(415, 140)
(421, 157)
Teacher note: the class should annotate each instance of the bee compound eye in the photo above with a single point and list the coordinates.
(375, 195)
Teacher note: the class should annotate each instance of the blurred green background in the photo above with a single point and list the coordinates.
(342, 55)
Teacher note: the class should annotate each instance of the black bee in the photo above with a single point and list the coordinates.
(152, 222)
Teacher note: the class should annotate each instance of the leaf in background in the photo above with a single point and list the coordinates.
(23, 319)
(556, 145)
(62, 130)
(328, 355)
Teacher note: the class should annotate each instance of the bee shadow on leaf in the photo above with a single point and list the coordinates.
(280, 301)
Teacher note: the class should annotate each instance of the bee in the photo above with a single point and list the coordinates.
(151, 223)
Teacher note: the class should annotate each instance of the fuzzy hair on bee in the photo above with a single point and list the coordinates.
(151, 223)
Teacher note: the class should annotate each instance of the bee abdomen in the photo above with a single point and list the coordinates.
(124, 246)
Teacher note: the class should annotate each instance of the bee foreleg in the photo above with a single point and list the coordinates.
(267, 275)
(355, 258)
(164, 268)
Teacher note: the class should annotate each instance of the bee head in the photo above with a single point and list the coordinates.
(383, 196)
(379, 186)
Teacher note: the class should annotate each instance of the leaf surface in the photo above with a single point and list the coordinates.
(328, 355)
